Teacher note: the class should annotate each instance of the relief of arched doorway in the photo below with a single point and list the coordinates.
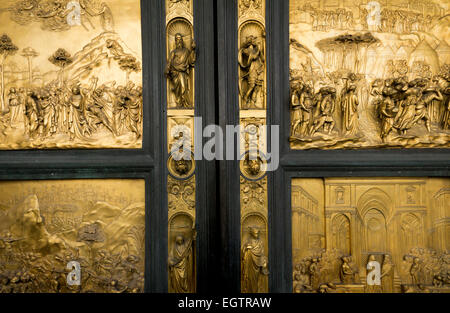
(375, 209)
(375, 230)
(411, 232)
(340, 229)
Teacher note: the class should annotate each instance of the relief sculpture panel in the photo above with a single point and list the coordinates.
(71, 74)
(254, 236)
(367, 74)
(375, 240)
(181, 186)
(47, 227)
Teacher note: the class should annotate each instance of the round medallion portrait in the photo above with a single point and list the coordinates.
(253, 166)
(181, 165)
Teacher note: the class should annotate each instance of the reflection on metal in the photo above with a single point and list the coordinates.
(253, 104)
(369, 74)
(45, 225)
(180, 74)
(343, 226)
(71, 76)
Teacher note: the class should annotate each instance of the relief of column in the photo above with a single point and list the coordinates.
(181, 183)
(252, 104)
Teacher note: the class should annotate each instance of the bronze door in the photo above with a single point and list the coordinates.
(337, 210)
(340, 161)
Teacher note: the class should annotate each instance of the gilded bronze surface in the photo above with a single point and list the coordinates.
(44, 225)
(182, 235)
(344, 227)
(181, 55)
(254, 236)
(181, 184)
(71, 74)
(253, 145)
(369, 74)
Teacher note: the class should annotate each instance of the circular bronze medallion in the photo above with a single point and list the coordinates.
(253, 167)
(181, 165)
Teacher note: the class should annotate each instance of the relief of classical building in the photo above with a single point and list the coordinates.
(372, 219)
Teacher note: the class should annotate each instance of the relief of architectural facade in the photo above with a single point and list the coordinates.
(369, 74)
(44, 225)
(71, 77)
(353, 222)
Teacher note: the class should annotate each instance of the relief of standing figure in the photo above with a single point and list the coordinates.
(251, 60)
(387, 275)
(347, 274)
(254, 265)
(181, 265)
(326, 106)
(13, 104)
(350, 111)
(179, 65)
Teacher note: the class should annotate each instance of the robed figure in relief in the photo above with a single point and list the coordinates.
(179, 65)
(181, 265)
(254, 265)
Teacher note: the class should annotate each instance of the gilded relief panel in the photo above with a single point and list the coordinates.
(50, 228)
(71, 74)
(367, 74)
(373, 231)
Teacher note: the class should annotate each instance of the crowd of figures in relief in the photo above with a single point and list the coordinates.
(89, 98)
(359, 79)
(422, 270)
(40, 234)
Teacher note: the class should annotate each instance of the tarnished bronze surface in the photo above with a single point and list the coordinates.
(44, 225)
(71, 74)
(341, 228)
(369, 74)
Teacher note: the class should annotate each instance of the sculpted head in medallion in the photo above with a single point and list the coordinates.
(254, 166)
